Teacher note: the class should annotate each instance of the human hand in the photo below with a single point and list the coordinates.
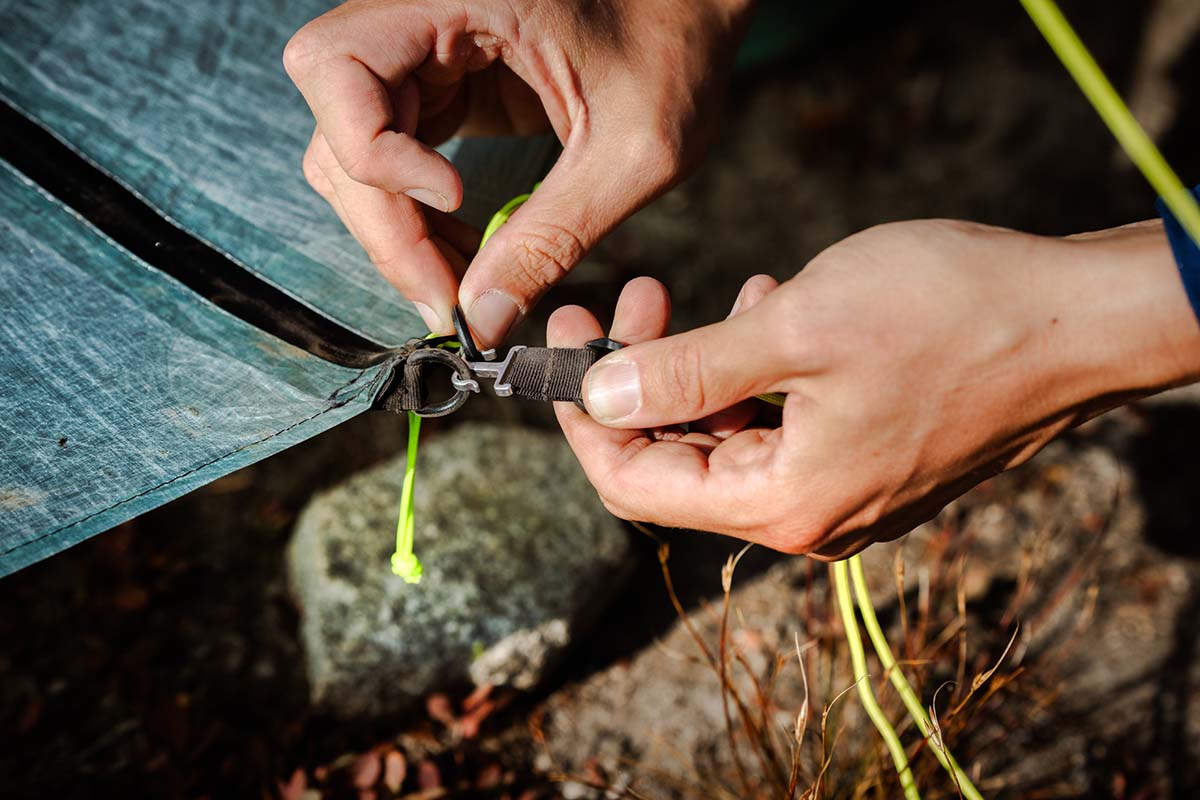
(918, 359)
(631, 89)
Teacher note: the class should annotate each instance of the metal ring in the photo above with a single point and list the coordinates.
(457, 366)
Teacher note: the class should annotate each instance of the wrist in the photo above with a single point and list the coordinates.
(1128, 326)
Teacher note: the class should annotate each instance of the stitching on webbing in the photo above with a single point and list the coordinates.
(199, 467)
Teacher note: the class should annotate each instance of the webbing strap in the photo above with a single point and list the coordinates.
(412, 380)
(403, 388)
(421, 378)
(409, 388)
(550, 374)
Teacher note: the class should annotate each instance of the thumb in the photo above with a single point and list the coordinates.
(685, 377)
(583, 197)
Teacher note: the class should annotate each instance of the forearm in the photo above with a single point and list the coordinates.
(1119, 320)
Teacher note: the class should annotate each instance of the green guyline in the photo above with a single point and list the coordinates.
(1116, 115)
(405, 563)
(862, 681)
(909, 697)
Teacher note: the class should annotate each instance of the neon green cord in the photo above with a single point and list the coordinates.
(506, 211)
(865, 694)
(1108, 104)
(1132, 137)
(405, 563)
(903, 688)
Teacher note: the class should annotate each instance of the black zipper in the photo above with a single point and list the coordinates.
(105, 203)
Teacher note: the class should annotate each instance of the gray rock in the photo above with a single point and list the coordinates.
(1106, 631)
(519, 555)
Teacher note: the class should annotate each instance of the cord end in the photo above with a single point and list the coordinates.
(408, 567)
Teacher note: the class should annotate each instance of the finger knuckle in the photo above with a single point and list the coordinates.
(303, 51)
(313, 174)
(544, 255)
(802, 335)
(656, 153)
(360, 167)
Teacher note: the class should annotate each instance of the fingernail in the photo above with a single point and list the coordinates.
(429, 198)
(737, 303)
(614, 390)
(492, 316)
(431, 318)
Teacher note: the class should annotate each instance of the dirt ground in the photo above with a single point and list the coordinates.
(161, 659)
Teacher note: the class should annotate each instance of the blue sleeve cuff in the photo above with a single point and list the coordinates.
(1187, 254)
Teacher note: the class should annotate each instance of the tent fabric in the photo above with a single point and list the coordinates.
(121, 389)
(187, 104)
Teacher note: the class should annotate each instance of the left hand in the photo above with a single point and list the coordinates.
(632, 89)
(918, 359)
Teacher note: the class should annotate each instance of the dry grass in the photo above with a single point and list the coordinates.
(835, 754)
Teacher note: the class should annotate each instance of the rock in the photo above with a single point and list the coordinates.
(520, 659)
(519, 556)
(1103, 664)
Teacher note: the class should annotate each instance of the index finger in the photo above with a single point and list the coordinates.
(397, 237)
(353, 66)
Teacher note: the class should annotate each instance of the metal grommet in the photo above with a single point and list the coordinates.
(460, 370)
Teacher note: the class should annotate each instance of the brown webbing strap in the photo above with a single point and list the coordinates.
(550, 373)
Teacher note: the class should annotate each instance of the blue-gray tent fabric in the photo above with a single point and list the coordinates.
(187, 104)
(121, 389)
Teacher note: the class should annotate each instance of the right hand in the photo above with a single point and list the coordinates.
(631, 89)
(918, 358)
